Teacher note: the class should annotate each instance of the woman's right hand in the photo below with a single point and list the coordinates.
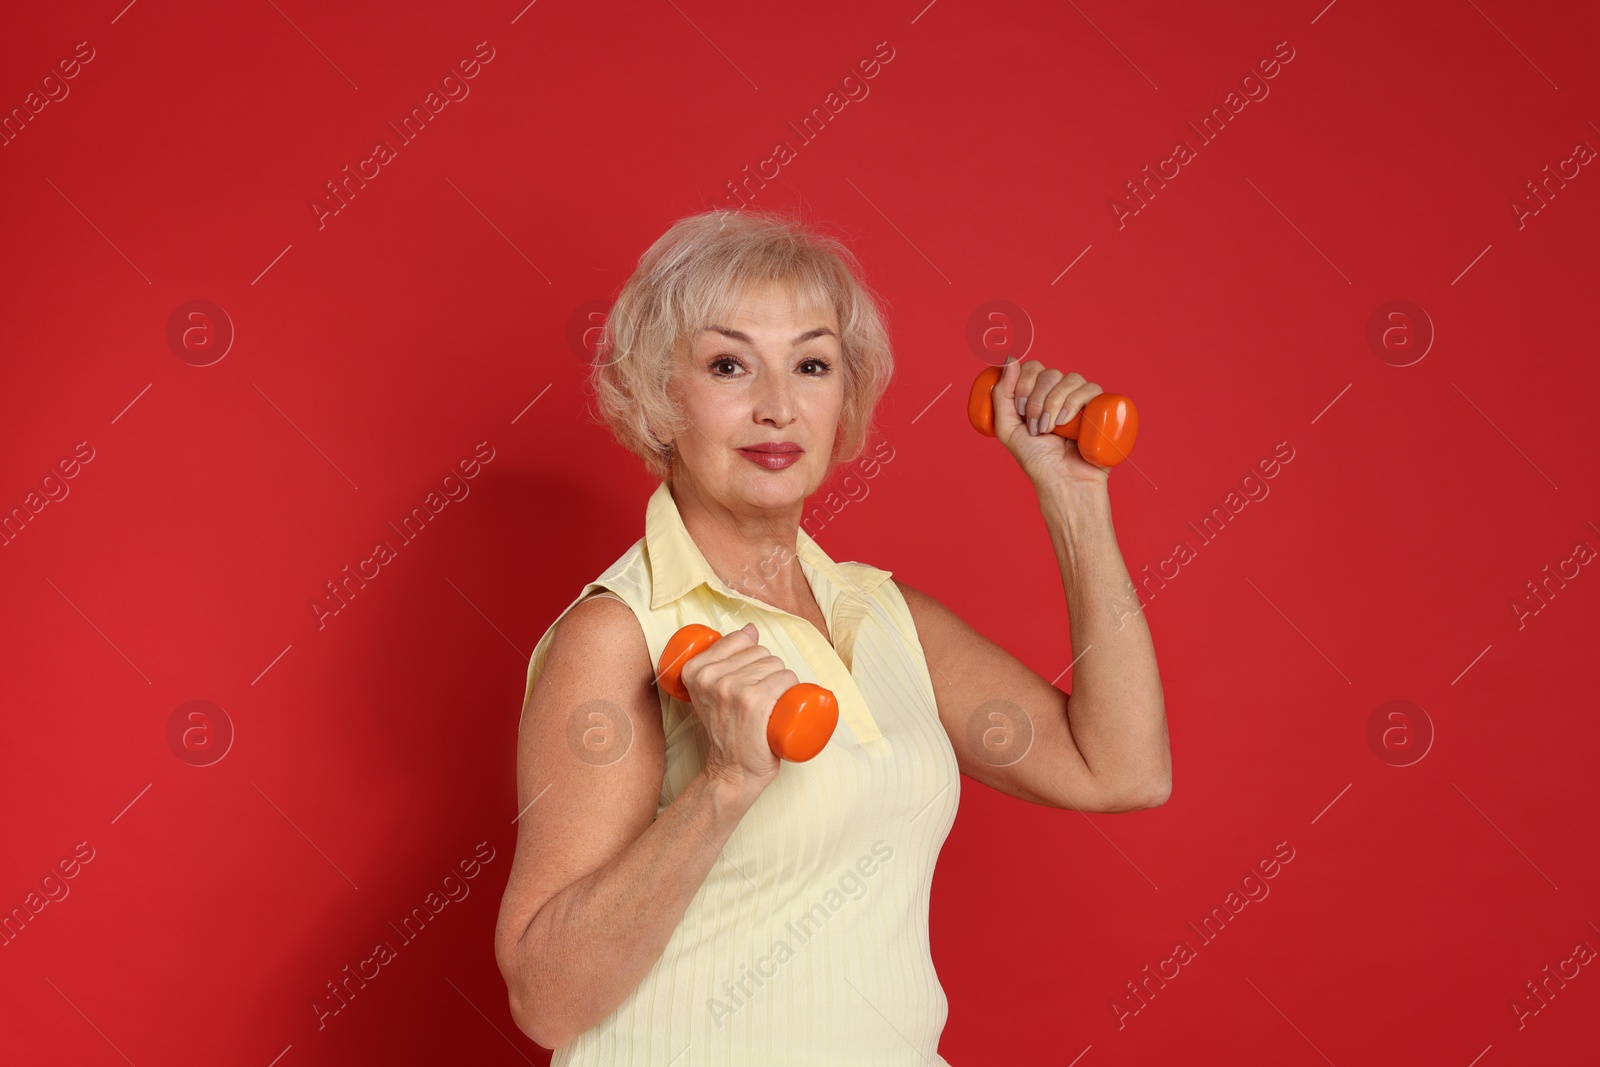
(734, 686)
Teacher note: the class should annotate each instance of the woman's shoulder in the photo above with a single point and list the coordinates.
(598, 625)
(600, 605)
(599, 616)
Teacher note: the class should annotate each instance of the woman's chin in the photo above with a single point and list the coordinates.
(769, 488)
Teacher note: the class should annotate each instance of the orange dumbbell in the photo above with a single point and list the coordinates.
(1105, 429)
(801, 721)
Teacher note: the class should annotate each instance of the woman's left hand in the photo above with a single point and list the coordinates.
(1050, 398)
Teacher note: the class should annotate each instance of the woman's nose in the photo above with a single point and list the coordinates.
(774, 403)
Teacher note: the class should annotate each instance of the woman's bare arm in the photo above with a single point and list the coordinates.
(598, 883)
(1105, 746)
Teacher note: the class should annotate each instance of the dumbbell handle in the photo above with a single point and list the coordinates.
(1105, 429)
(801, 722)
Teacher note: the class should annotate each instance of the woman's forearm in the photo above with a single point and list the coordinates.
(1117, 714)
(591, 944)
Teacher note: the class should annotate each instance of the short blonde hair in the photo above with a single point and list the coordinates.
(694, 275)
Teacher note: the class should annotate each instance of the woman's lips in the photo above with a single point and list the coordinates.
(772, 461)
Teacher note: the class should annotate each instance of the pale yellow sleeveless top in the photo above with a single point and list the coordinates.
(807, 944)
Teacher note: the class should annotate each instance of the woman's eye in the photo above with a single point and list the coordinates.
(823, 366)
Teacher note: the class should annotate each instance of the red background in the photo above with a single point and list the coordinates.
(371, 754)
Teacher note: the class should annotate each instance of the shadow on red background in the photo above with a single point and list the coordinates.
(1427, 542)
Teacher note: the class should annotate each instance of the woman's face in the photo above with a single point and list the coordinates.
(774, 375)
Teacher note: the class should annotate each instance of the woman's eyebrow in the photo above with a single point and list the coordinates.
(741, 336)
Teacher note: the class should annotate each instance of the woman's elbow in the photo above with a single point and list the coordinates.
(543, 1015)
(1155, 793)
(541, 1027)
(528, 1007)
(548, 1037)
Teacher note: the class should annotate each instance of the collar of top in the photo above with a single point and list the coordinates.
(677, 565)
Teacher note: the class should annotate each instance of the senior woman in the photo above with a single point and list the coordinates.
(681, 896)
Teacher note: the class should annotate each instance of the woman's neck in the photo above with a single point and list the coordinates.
(752, 554)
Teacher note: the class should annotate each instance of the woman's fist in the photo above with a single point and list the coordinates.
(1030, 400)
(734, 685)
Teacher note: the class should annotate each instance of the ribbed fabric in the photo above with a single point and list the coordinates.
(807, 944)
